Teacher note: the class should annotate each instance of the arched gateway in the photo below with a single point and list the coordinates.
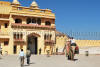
(32, 42)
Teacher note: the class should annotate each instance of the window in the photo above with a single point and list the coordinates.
(50, 37)
(39, 21)
(14, 35)
(6, 43)
(18, 21)
(18, 35)
(47, 23)
(6, 25)
(19, 8)
(33, 20)
(28, 20)
(21, 36)
(47, 37)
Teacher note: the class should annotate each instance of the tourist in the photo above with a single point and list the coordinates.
(73, 44)
(21, 55)
(57, 51)
(40, 51)
(28, 55)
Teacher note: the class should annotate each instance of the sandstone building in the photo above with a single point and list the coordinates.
(26, 27)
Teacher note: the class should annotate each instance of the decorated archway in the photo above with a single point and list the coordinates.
(32, 42)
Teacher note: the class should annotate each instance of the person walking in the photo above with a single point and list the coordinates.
(21, 55)
(57, 51)
(28, 55)
(40, 51)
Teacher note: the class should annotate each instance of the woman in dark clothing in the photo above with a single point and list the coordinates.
(28, 55)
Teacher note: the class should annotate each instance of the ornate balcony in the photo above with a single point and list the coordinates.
(4, 35)
(19, 41)
(32, 26)
(49, 42)
(4, 19)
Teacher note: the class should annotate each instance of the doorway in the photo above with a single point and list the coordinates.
(32, 44)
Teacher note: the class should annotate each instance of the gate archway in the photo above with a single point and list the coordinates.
(32, 42)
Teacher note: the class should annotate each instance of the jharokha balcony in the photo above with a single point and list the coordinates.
(32, 26)
(19, 41)
(4, 35)
(49, 41)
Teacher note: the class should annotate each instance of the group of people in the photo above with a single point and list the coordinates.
(71, 49)
(22, 56)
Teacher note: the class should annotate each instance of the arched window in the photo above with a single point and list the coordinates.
(21, 35)
(18, 21)
(6, 25)
(45, 37)
(17, 36)
(39, 21)
(14, 35)
(28, 20)
(47, 23)
(50, 36)
(33, 21)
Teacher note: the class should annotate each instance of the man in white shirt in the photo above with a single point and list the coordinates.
(21, 54)
(73, 44)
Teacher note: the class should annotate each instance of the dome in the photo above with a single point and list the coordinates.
(15, 2)
(34, 4)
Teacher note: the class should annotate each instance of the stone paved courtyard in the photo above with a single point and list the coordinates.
(53, 61)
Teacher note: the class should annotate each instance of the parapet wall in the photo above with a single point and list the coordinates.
(92, 46)
(91, 50)
(84, 43)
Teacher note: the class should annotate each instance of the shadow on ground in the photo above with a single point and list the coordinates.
(30, 64)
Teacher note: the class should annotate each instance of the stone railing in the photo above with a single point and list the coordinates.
(49, 41)
(32, 26)
(4, 35)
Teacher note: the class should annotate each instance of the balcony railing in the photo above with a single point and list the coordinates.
(49, 41)
(31, 26)
(4, 19)
(19, 41)
(4, 35)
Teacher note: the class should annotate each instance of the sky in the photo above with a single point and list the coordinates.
(72, 15)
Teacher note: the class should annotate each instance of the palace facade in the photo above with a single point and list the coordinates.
(26, 27)
(33, 28)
